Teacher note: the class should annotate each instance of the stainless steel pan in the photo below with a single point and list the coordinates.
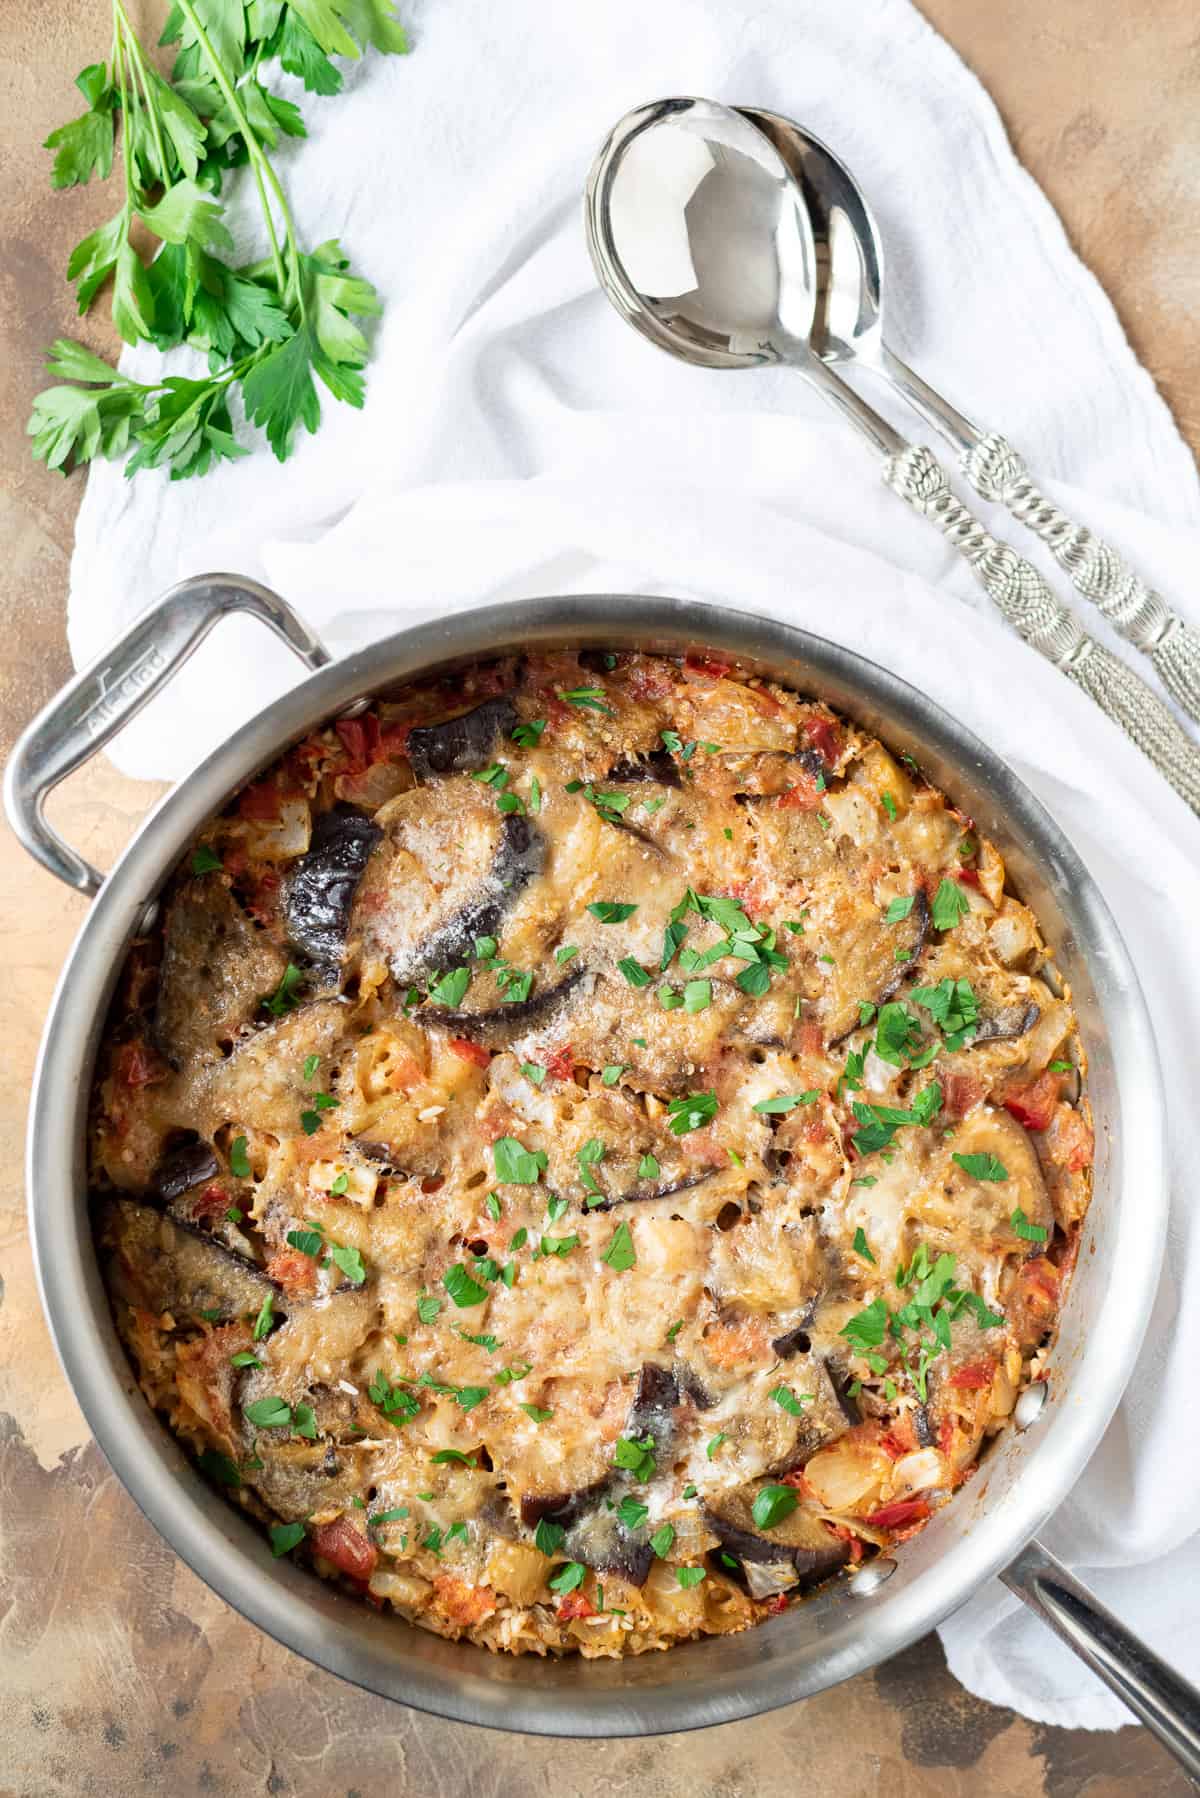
(854, 1623)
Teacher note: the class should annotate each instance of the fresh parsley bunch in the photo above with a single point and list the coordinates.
(267, 327)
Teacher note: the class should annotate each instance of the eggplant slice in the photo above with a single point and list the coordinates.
(873, 962)
(461, 745)
(501, 1025)
(448, 870)
(655, 765)
(318, 896)
(1007, 1024)
(182, 1168)
(179, 1267)
(800, 1543)
(216, 967)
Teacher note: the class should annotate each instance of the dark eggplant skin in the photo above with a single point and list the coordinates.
(498, 1027)
(841, 1382)
(182, 1168)
(318, 895)
(656, 764)
(520, 855)
(813, 1552)
(461, 745)
(601, 1541)
(640, 1195)
(1008, 1024)
(654, 1405)
(792, 1342)
(562, 1507)
(923, 1428)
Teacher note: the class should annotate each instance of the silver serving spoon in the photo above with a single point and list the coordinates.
(700, 237)
(848, 327)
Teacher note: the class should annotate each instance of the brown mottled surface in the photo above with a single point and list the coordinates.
(119, 1672)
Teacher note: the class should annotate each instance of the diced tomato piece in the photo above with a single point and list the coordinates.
(466, 1050)
(296, 1273)
(810, 1038)
(946, 1431)
(776, 1604)
(560, 1064)
(893, 1446)
(1069, 1139)
(846, 1535)
(803, 797)
(260, 802)
(212, 1202)
(346, 1547)
(825, 738)
(796, 1480)
(705, 667)
(138, 1065)
(974, 1376)
(766, 702)
(465, 1603)
(1033, 1104)
(960, 1093)
(393, 738)
(572, 1605)
(970, 878)
(748, 894)
(897, 1515)
(649, 680)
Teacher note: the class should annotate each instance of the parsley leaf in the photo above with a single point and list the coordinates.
(1023, 1227)
(464, 1291)
(691, 1111)
(785, 1102)
(772, 1504)
(611, 911)
(950, 905)
(620, 1254)
(515, 1164)
(982, 1167)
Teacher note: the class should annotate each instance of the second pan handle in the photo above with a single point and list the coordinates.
(105, 696)
(1164, 1701)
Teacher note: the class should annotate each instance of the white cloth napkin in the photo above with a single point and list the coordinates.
(518, 439)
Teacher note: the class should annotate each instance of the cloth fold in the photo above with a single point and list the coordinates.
(518, 439)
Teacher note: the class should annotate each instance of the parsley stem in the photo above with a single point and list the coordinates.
(258, 161)
(138, 64)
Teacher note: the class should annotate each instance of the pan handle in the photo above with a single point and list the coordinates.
(102, 699)
(1164, 1701)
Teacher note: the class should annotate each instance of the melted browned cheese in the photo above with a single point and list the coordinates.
(512, 1151)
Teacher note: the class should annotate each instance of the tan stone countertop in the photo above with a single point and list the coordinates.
(119, 1672)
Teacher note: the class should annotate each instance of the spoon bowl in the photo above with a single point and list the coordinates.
(700, 236)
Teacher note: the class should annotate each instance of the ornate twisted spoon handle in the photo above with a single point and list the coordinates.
(1024, 599)
(1142, 616)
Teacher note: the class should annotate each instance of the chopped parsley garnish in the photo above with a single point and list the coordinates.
(861, 1246)
(558, 1245)
(772, 1504)
(867, 1328)
(555, 1207)
(611, 911)
(245, 1358)
(537, 1413)
(339, 1186)
(632, 1513)
(889, 806)
(689, 1491)
(697, 995)
(462, 1288)
(507, 1375)
(204, 860)
(446, 1455)
(791, 1402)
(311, 1064)
(620, 1254)
(528, 736)
(485, 1341)
(1023, 1227)
(648, 1168)
(564, 955)
(590, 698)
(450, 989)
(982, 1167)
(239, 1161)
(689, 1576)
(898, 1038)
(662, 1539)
(428, 1307)
(285, 1537)
(309, 1242)
(396, 1404)
(785, 1102)
(879, 1123)
(493, 1206)
(952, 1006)
(515, 1164)
(713, 1444)
(520, 1237)
(950, 905)
(264, 1323)
(285, 997)
(591, 1154)
(1062, 1067)
(636, 1457)
(898, 909)
(633, 971)
(612, 1074)
(268, 1413)
(216, 1465)
(349, 1261)
(673, 1332)
(691, 1111)
(669, 999)
(673, 939)
(573, 1574)
(548, 1537)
